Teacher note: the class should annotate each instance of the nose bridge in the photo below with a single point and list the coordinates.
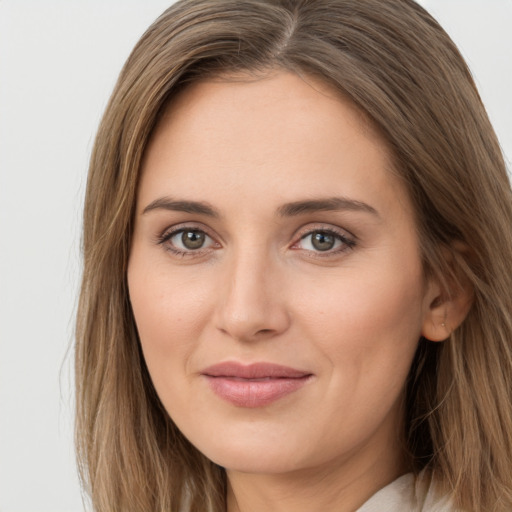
(252, 304)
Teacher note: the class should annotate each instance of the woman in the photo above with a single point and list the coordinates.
(296, 286)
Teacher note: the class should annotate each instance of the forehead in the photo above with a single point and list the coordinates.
(296, 134)
(263, 89)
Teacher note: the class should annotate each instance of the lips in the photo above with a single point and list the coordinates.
(254, 385)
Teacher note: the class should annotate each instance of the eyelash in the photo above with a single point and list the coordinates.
(168, 235)
(346, 243)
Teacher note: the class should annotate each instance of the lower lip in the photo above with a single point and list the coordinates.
(253, 393)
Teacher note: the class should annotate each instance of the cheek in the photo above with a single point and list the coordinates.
(380, 296)
(368, 326)
(169, 312)
(367, 331)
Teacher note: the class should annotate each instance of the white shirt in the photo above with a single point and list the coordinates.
(405, 495)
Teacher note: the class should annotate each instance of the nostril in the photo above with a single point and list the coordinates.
(248, 312)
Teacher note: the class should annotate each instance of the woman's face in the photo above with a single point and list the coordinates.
(275, 276)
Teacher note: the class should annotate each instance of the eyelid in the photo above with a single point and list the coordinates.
(169, 232)
(180, 226)
(323, 226)
(348, 239)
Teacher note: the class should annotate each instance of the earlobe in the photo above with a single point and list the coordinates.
(445, 311)
(435, 325)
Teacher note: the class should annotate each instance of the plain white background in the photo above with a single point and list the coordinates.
(58, 63)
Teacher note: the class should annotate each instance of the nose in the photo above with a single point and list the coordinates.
(251, 302)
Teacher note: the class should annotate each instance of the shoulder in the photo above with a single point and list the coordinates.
(414, 494)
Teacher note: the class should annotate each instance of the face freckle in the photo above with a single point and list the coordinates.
(272, 239)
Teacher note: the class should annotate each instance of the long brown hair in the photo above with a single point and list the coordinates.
(402, 70)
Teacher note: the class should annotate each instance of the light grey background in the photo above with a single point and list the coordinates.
(58, 63)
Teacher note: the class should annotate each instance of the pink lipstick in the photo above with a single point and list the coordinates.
(254, 385)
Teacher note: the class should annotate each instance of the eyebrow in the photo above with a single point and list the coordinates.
(325, 205)
(287, 210)
(166, 203)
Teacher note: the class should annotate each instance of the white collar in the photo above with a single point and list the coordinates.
(408, 494)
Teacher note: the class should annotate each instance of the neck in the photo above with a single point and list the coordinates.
(338, 486)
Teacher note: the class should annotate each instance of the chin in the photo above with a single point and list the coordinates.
(251, 453)
(258, 461)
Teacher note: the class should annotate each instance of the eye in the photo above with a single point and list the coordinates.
(325, 241)
(186, 241)
(190, 239)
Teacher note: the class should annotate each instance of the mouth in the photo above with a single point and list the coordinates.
(254, 385)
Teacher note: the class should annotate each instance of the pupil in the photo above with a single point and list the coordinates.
(323, 241)
(192, 239)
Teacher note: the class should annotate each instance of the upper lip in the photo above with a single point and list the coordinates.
(253, 371)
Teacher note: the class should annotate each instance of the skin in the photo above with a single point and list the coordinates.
(259, 290)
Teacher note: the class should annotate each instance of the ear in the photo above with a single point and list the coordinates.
(445, 309)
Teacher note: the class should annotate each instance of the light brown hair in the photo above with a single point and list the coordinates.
(398, 66)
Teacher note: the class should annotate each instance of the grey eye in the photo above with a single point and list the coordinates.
(193, 239)
(322, 241)
(188, 240)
